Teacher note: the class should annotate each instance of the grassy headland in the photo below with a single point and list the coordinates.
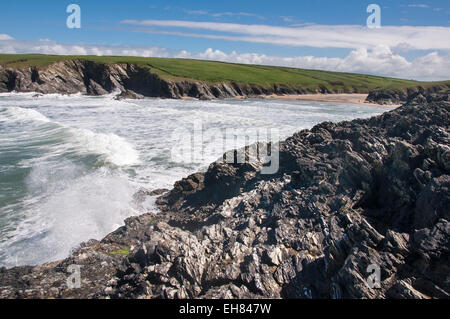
(217, 72)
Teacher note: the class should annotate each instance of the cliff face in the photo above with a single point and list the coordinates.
(74, 76)
(347, 196)
(85, 77)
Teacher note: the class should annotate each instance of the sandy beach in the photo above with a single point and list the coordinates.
(340, 98)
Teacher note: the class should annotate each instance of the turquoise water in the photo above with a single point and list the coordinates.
(69, 165)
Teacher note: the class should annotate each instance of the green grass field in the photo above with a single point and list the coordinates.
(214, 72)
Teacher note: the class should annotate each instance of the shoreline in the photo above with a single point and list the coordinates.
(355, 98)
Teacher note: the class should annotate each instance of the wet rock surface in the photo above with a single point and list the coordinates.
(400, 96)
(347, 196)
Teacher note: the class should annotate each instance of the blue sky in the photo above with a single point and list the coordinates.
(326, 34)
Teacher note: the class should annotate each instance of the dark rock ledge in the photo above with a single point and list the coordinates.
(400, 96)
(347, 195)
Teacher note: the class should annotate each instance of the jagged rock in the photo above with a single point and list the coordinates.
(128, 94)
(413, 95)
(404, 290)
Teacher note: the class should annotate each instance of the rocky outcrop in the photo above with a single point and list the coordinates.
(348, 197)
(400, 96)
(86, 77)
(93, 78)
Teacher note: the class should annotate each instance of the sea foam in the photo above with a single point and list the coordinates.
(72, 208)
(21, 115)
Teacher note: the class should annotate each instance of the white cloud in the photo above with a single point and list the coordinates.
(46, 46)
(223, 14)
(287, 19)
(321, 36)
(237, 14)
(5, 37)
(419, 5)
(379, 60)
(196, 12)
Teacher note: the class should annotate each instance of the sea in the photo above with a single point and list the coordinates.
(70, 165)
